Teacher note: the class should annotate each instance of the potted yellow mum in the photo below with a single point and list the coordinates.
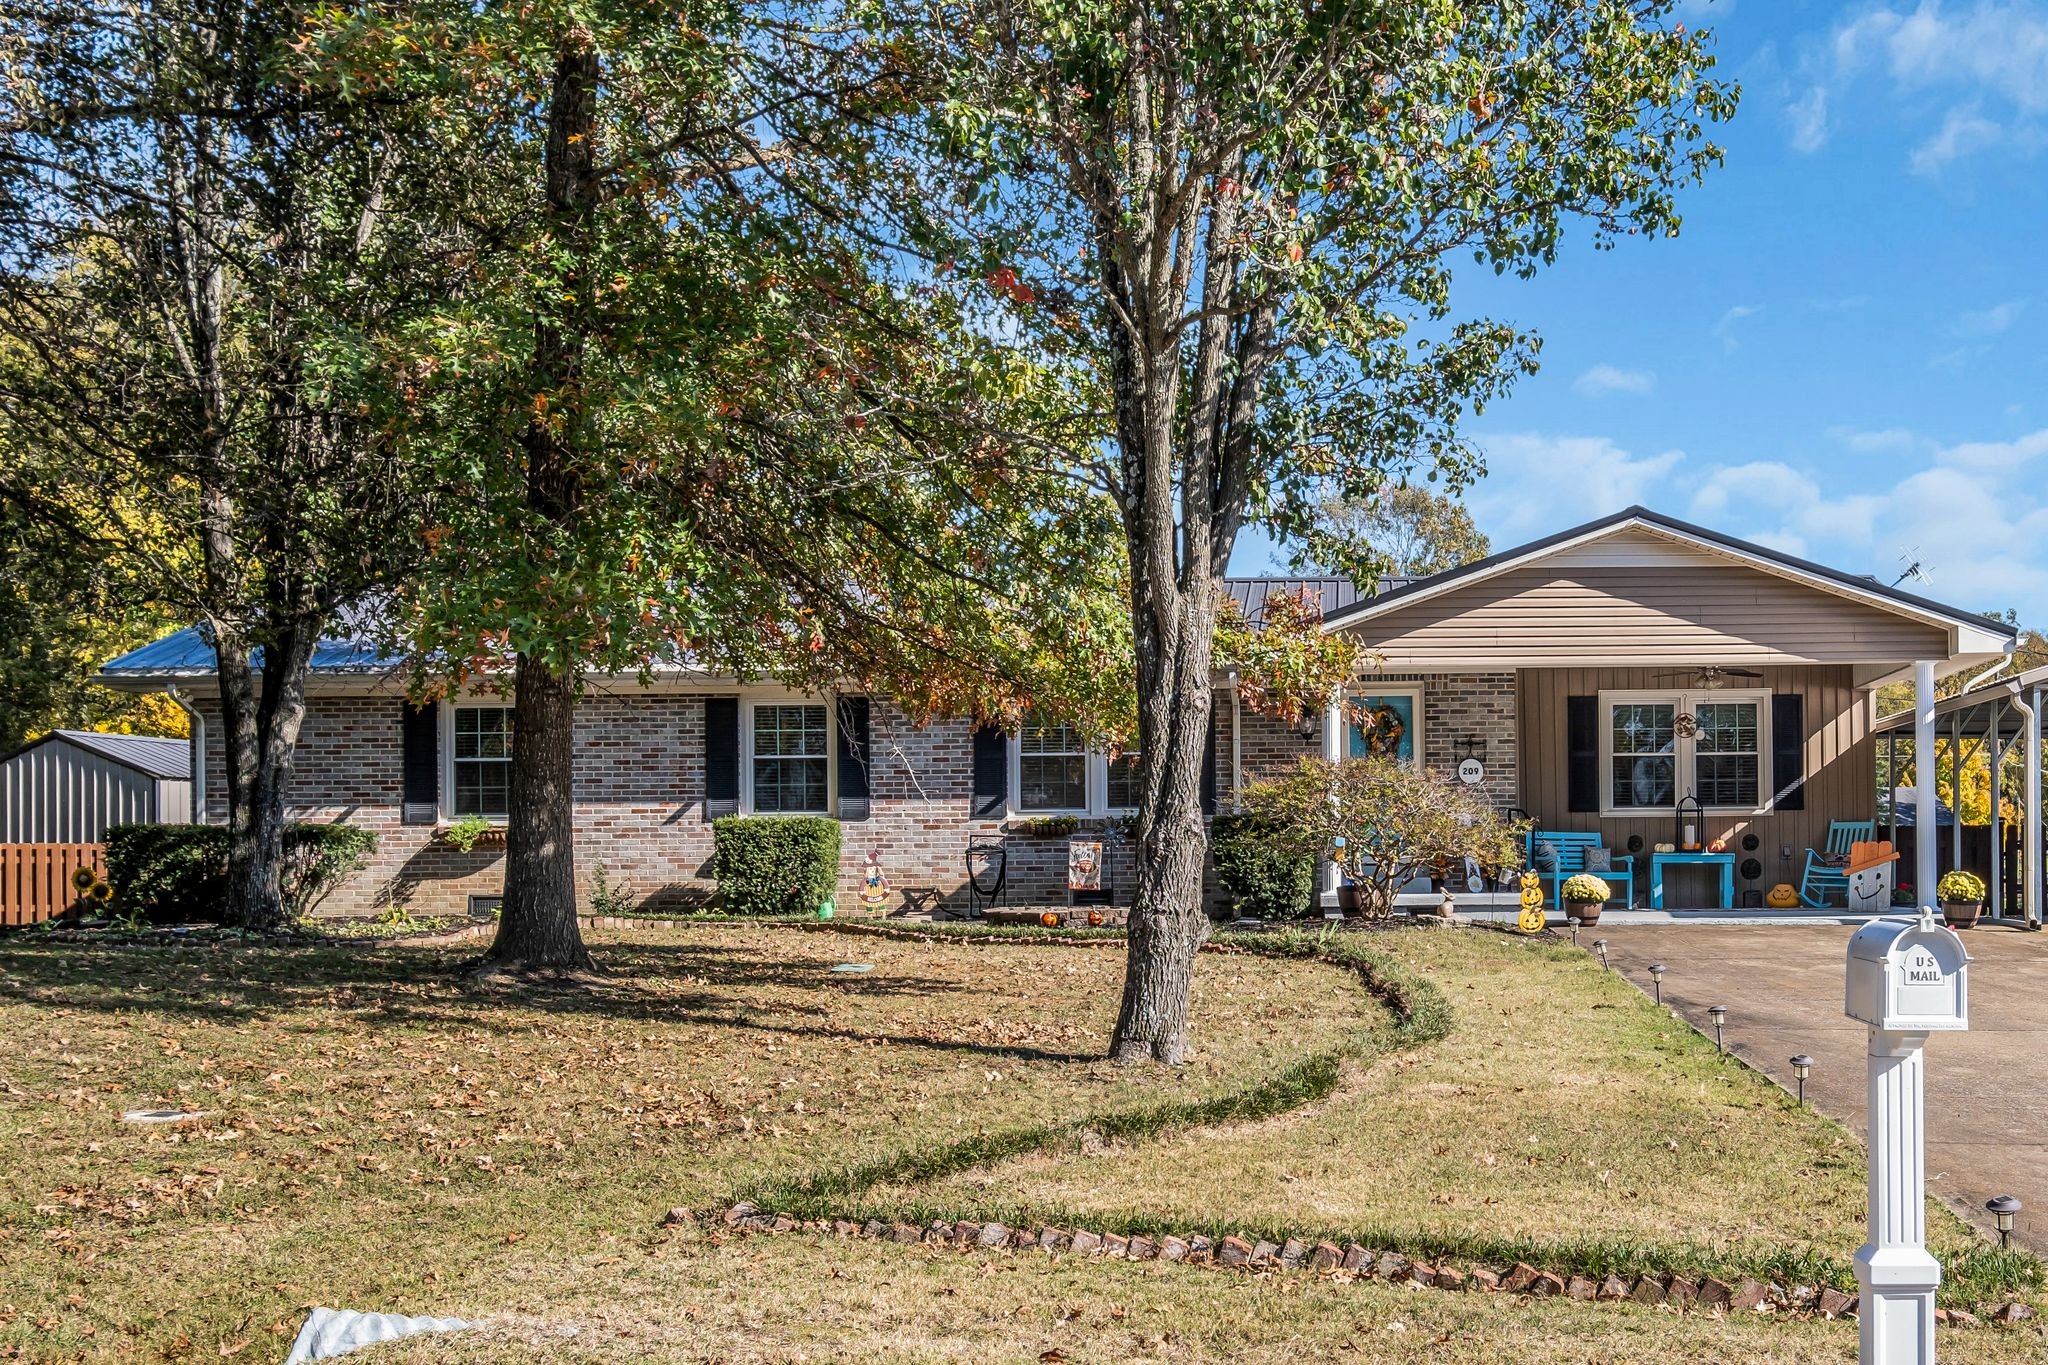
(1584, 895)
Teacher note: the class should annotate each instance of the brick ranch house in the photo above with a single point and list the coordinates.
(1598, 677)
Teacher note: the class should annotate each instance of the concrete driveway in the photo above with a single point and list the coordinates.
(1987, 1090)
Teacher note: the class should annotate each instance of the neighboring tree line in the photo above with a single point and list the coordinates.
(938, 350)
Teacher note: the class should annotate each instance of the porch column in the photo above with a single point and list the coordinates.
(1333, 750)
(1891, 787)
(1955, 790)
(2030, 848)
(1995, 738)
(1926, 829)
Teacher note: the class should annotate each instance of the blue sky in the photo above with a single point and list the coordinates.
(1845, 353)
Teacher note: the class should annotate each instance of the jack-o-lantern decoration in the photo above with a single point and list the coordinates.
(1781, 897)
(1532, 919)
(1095, 919)
(1050, 919)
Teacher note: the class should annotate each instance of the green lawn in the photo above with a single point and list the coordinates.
(379, 1135)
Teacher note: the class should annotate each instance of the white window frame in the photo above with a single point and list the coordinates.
(1685, 771)
(1095, 785)
(748, 705)
(1410, 690)
(448, 710)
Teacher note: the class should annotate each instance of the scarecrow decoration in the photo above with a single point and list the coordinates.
(1872, 869)
(874, 887)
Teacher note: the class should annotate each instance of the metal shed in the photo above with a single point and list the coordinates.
(70, 785)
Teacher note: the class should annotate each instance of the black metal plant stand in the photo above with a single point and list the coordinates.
(988, 886)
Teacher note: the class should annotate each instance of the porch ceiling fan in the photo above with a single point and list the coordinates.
(1711, 674)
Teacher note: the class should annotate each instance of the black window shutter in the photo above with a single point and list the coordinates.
(1788, 751)
(1582, 754)
(1209, 767)
(721, 756)
(419, 733)
(991, 772)
(853, 758)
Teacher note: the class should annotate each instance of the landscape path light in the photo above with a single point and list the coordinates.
(1657, 980)
(1802, 1067)
(1601, 945)
(2003, 1207)
(1720, 1015)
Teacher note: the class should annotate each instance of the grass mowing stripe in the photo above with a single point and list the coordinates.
(1421, 1015)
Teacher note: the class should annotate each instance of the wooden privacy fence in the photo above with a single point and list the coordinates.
(35, 879)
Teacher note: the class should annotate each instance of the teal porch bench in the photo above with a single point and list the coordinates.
(1571, 860)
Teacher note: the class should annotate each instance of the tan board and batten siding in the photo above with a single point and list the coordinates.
(1841, 758)
(1640, 596)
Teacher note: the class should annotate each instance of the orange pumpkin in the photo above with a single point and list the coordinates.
(1095, 918)
(1050, 919)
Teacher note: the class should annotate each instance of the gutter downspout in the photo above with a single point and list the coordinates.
(197, 744)
(2030, 844)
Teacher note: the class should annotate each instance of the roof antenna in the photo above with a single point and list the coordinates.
(1912, 573)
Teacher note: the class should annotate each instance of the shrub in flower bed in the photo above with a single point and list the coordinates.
(774, 864)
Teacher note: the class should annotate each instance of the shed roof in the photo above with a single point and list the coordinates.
(151, 755)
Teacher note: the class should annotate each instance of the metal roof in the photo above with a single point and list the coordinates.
(1985, 710)
(187, 654)
(151, 755)
(1335, 593)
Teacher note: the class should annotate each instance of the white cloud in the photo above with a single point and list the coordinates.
(1888, 441)
(1986, 52)
(1725, 328)
(1809, 118)
(1991, 321)
(1962, 132)
(1975, 512)
(1537, 483)
(1604, 379)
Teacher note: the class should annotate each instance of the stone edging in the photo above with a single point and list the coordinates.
(1680, 1293)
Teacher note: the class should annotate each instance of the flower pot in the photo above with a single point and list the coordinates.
(1961, 914)
(1350, 899)
(1586, 912)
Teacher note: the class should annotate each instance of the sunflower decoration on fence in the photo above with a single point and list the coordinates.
(92, 888)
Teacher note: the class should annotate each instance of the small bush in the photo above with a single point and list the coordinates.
(1960, 888)
(1262, 879)
(180, 872)
(774, 864)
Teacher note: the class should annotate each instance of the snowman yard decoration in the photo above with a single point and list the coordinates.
(1871, 871)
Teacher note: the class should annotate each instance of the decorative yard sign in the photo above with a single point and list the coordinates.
(1084, 865)
(1906, 978)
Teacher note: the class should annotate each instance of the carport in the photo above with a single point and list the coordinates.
(1992, 719)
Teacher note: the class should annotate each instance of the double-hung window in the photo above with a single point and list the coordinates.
(481, 759)
(791, 759)
(1660, 748)
(1058, 774)
(1052, 767)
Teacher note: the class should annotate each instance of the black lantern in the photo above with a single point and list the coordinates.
(1685, 835)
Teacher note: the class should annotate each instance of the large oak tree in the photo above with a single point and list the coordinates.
(1246, 214)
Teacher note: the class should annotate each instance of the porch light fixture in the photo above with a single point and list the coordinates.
(1601, 945)
(1306, 726)
(2002, 1208)
(1657, 980)
(1802, 1067)
(1720, 1017)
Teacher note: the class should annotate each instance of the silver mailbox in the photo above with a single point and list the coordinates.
(1908, 976)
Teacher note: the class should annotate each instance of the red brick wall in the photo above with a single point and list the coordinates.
(640, 791)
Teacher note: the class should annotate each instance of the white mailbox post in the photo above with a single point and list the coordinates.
(1907, 978)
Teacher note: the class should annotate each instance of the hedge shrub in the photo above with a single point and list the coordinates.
(774, 864)
(1261, 879)
(179, 873)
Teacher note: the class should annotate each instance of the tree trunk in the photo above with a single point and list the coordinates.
(538, 928)
(261, 735)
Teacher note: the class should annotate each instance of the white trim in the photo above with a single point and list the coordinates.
(449, 706)
(1684, 767)
(748, 703)
(1414, 691)
(1094, 785)
(1961, 628)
